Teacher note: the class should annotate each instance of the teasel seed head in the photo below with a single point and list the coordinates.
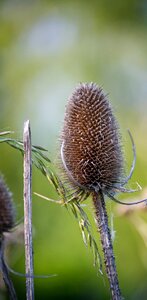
(90, 141)
(6, 208)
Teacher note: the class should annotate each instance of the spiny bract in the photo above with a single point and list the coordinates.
(90, 143)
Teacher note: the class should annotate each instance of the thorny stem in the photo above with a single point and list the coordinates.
(28, 212)
(103, 228)
(5, 273)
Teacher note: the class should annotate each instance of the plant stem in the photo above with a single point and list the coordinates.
(28, 212)
(5, 273)
(103, 228)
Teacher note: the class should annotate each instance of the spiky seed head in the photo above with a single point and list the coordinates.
(6, 208)
(90, 142)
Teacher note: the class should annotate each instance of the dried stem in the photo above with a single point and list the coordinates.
(28, 212)
(103, 228)
(5, 273)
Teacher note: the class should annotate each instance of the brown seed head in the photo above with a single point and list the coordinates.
(90, 150)
(6, 208)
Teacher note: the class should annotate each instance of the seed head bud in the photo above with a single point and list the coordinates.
(90, 143)
(6, 208)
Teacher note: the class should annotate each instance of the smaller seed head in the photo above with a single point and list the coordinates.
(6, 208)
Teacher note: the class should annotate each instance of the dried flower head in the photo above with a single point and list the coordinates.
(92, 159)
(6, 208)
(91, 149)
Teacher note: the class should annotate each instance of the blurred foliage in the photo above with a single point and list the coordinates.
(46, 48)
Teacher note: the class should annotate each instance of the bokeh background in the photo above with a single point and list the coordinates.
(46, 49)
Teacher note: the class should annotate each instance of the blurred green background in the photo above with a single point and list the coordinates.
(46, 48)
